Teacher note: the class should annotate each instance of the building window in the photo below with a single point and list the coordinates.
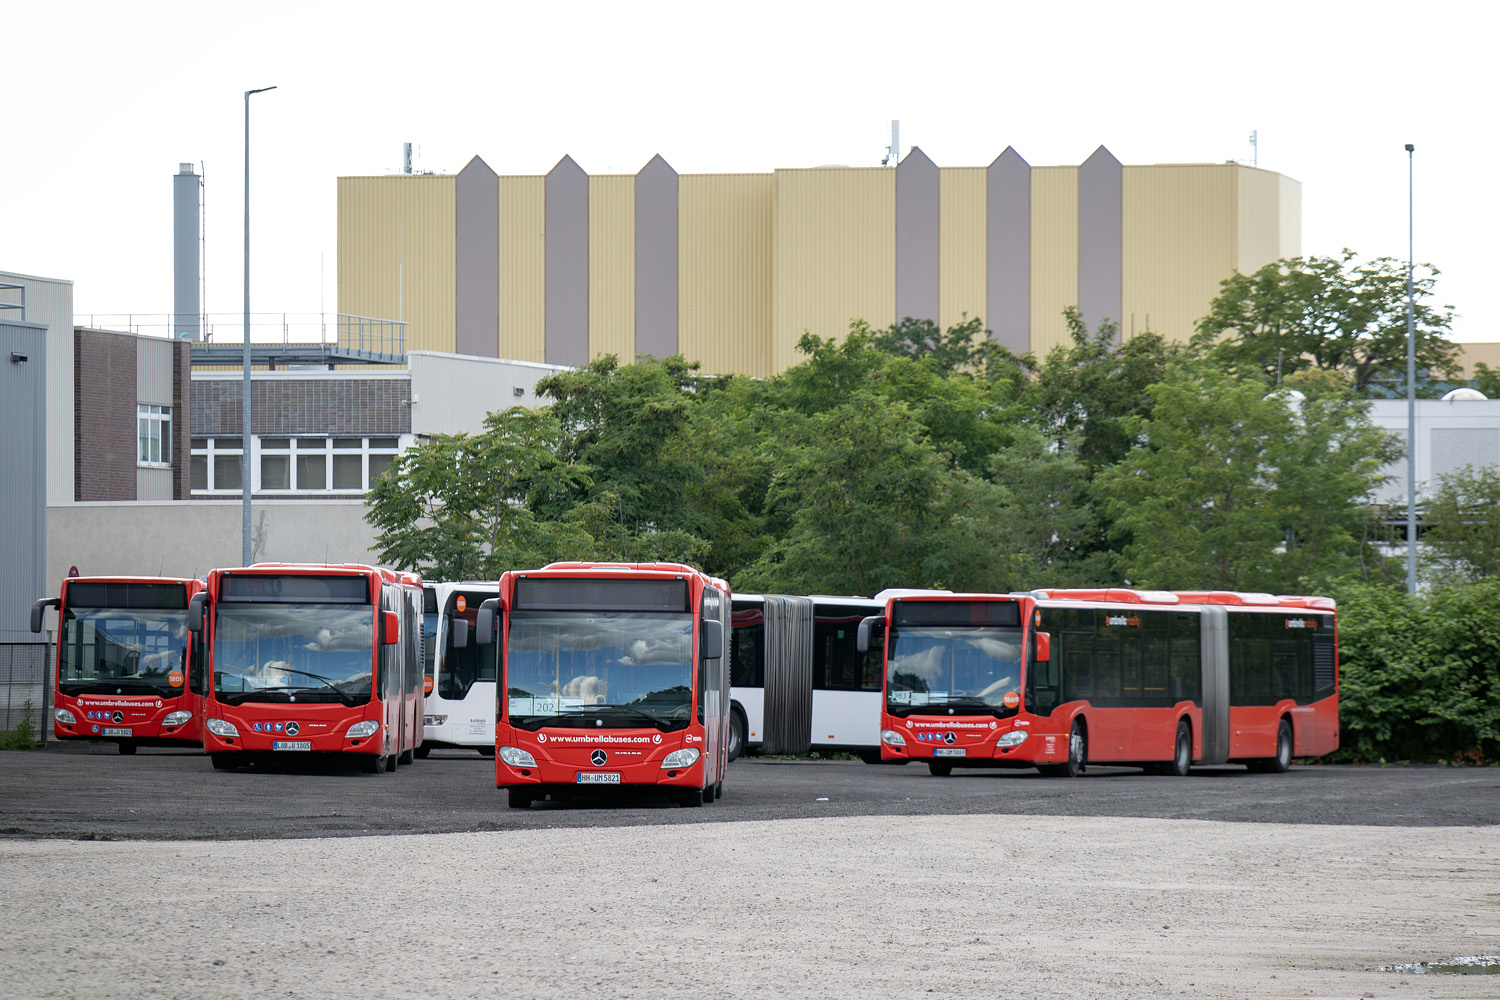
(153, 435)
(294, 466)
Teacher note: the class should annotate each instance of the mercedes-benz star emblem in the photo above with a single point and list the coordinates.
(118, 716)
(948, 737)
(292, 729)
(598, 758)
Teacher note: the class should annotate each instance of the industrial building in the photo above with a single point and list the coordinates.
(731, 269)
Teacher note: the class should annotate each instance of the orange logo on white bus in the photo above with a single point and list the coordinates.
(461, 603)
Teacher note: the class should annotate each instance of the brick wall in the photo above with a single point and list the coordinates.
(104, 390)
(303, 406)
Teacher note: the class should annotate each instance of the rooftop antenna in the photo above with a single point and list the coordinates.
(1255, 147)
(893, 151)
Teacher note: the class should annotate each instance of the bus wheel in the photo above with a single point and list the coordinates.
(1182, 753)
(692, 798)
(519, 798)
(708, 793)
(422, 752)
(488, 751)
(940, 770)
(224, 761)
(373, 764)
(408, 756)
(1282, 762)
(737, 730)
(1078, 755)
(127, 748)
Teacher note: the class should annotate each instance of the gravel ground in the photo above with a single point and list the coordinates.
(958, 906)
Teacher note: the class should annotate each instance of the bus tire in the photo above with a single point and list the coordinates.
(422, 752)
(127, 748)
(519, 798)
(488, 751)
(1078, 755)
(692, 798)
(1182, 752)
(708, 794)
(373, 764)
(939, 770)
(224, 761)
(408, 756)
(1282, 762)
(737, 733)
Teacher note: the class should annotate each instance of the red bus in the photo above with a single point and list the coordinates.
(1059, 679)
(613, 675)
(311, 658)
(127, 667)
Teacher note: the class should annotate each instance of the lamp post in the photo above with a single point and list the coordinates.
(245, 424)
(1411, 390)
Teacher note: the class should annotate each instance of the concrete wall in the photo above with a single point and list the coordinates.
(191, 538)
(1450, 434)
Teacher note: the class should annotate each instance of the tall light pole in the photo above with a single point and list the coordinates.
(245, 424)
(1411, 389)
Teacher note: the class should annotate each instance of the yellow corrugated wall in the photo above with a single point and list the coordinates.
(1054, 254)
(724, 233)
(835, 254)
(962, 246)
(1259, 218)
(396, 245)
(1180, 241)
(612, 266)
(523, 268)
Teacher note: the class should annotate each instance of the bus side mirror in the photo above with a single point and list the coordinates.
(711, 639)
(862, 634)
(1043, 646)
(38, 607)
(391, 634)
(195, 612)
(458, 633)
(484, 624)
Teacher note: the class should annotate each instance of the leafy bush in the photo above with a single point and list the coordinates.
(1420, 677)
(23, 737)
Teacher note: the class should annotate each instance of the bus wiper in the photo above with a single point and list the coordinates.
(658, 720)
(110, 687)
(342, 697)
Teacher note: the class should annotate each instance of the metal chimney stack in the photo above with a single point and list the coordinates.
(406, 159)
(186, 317)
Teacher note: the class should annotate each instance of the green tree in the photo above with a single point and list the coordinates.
(965, 347)
(1051, 523)
(1334, 313)
(1228, 489)
(460, 506)
(1487, 380)
(1462, 523)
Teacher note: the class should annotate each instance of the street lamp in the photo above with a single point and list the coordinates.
(245, 425)
(1411, 391)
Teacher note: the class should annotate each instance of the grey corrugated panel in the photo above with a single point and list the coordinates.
(23, 459)
(1215, 646)
(788, 691)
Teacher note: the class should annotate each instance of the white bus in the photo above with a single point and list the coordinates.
(797, 681)
(460, 681)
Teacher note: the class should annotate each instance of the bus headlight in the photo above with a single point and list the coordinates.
(891, 738)
(65, 717)
(360, 730)
(685, 757)
(1014, 738)
(434, 720)
(177, 718)
(221, 728)
(516, 757)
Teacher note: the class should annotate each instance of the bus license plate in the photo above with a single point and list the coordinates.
(598, 777)
(950, 752)
(292, 745)
(118, 732)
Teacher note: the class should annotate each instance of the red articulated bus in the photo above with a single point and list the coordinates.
(311, 658)
(612, 675)
(1059, 679)
(128, 670)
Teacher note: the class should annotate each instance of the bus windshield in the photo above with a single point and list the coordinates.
(624, 669)
(110, 651)
(961, 670)
(293, 652)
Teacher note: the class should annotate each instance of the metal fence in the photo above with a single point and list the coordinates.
(23, 678)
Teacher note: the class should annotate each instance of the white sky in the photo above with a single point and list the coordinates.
(99, 102)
